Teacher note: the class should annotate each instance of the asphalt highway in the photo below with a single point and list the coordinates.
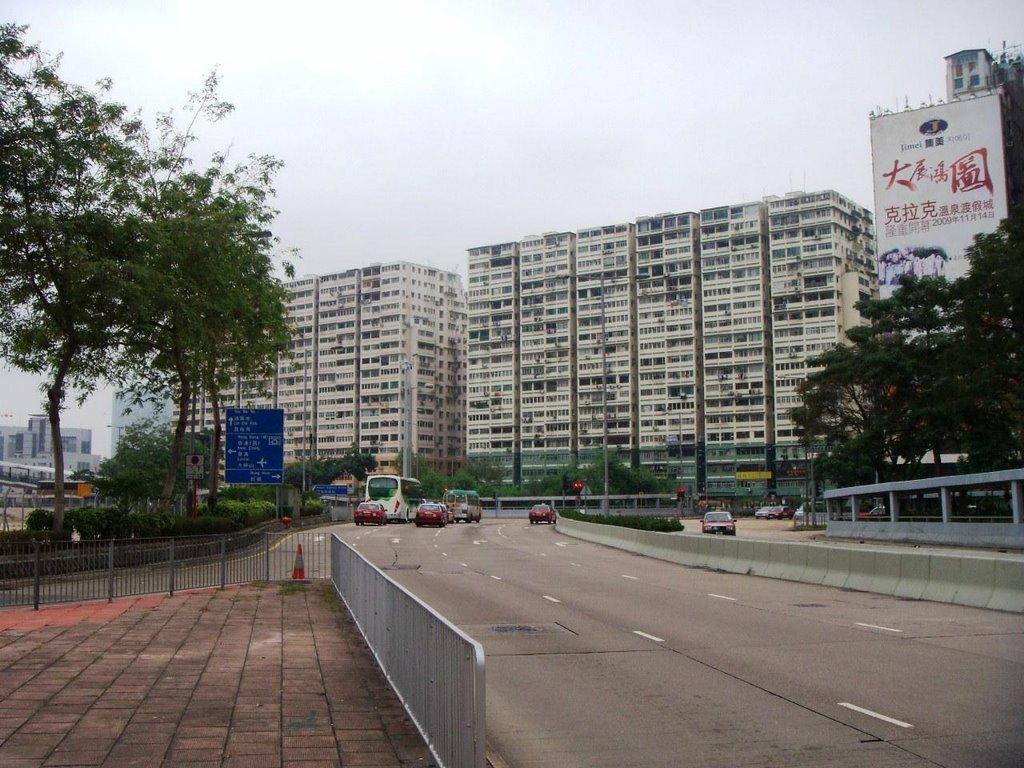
(597, 657)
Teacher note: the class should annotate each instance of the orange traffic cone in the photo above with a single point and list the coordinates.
(299, 569)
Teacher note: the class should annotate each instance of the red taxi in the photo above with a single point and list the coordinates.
(371, 512)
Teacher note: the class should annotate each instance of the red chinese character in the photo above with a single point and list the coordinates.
(896, 169)
(928, 209)
(939, 173)
(892, 215)
(970, 172)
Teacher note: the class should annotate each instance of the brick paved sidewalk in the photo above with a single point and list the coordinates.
(256, 675)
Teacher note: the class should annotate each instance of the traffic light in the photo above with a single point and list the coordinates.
(577, 486)
(681, 492)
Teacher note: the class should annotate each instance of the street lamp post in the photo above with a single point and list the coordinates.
(407, 366)
(604, 392)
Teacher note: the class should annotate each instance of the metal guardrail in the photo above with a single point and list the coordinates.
(435, 668)
(39, 573)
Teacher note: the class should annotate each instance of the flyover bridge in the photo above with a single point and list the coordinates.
(978, 510)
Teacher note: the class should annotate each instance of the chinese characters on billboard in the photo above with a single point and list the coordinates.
(939, 179)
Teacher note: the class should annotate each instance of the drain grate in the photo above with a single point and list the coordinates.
(810, 605)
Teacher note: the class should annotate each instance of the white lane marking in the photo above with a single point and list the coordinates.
(552, 599)
(722, 597)
(444, 554)
(632, 578)
(649, 637)
(396, 541)
(561, 544)
(496, 578)
(464, 565)
(876, 626)
(480, 541)
(576, 564)
(543, 554)
(869, 713)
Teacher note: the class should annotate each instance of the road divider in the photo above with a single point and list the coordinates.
(980, 580)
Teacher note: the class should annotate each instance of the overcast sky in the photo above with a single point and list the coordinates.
(417, 130)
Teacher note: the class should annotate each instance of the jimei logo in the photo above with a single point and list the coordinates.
(933, 127)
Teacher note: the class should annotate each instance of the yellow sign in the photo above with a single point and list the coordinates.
(755, 475)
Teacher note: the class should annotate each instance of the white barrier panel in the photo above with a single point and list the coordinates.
(435, 668)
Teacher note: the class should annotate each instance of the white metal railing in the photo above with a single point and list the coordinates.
(435, 669)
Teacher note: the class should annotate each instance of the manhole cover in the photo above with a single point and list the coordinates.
(505, 628)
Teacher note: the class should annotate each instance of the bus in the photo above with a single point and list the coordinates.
(465, 505)
(399, 495)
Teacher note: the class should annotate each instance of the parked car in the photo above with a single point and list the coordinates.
(371, 512)
(719, 522)
(774, 512)
(431, 513)
(542, 513)
(875, 513)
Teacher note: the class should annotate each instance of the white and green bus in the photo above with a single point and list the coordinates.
(399, 495)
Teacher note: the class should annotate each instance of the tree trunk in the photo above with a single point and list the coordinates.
(54, 401)
(184, 401)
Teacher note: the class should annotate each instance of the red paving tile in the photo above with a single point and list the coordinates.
(212, 677)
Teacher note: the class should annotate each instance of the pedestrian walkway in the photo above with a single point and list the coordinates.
(248, 676)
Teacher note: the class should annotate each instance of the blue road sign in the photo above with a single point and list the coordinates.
(332, 490)
(254, 446)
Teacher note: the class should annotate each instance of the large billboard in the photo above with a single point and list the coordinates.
(939, 179)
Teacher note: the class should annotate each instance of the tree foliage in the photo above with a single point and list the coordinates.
(122, 264)
(133, 475)
(936, 370)
(69, 227)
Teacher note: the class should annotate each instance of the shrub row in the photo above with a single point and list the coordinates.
(659, 524)
(91, 523)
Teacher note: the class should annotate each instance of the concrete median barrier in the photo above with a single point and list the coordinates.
(977, 580)
(943, 579)
(1008, 593)
(914, 570)
(860, 570)
(886, 578)
(838, 570)
(817, 564)
(995, 582)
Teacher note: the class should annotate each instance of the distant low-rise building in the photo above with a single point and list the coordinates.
(33, 446)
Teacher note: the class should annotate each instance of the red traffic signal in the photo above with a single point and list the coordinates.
(577, 485)
(681, 492)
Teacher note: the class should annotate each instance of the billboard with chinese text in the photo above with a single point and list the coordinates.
(939, 179)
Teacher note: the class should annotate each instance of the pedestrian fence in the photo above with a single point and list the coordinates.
(435, 668)
(42, 573)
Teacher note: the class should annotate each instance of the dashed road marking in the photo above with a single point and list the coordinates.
(649, 637)
(869, 713)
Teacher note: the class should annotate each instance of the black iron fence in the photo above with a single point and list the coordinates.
(40, 573)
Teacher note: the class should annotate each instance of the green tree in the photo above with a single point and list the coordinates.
(210, 309)
(134, 475)
(938, 369)
(989, 364)
(356, 464)
(68, 228)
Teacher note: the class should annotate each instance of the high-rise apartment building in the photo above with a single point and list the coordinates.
(676, 341)
(377, 361)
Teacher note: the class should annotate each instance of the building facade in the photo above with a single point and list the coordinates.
(32, 446)
(377, 361)
(676, 342)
